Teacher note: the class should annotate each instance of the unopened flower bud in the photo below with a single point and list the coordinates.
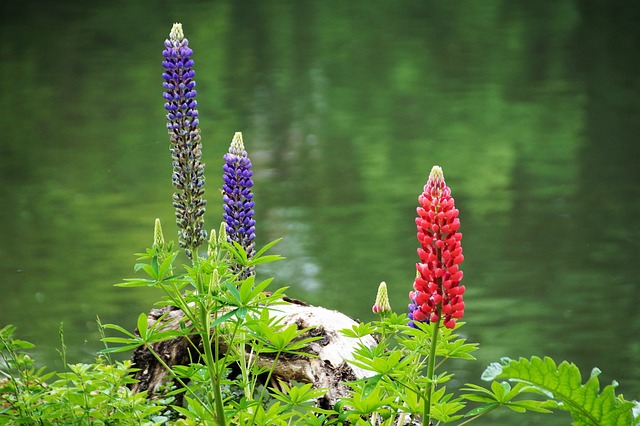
(176, 32)
(212, 244)
(158, 237)
(222, 234)
(382, 305)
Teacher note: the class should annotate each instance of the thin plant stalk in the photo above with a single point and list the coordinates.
(177, 377)
(266, 382)
(214, 374)
(426, 417)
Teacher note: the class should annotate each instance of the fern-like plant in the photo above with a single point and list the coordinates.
(561, 385)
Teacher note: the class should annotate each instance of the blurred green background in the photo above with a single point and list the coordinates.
(531, 108)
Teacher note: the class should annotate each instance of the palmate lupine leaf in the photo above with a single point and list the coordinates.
(563, 383)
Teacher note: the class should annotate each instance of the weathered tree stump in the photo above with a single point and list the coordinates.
(328, 369)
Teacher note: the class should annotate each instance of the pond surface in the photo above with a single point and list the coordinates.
(532, 109)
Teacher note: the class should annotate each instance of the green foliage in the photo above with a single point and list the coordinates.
(502, 395)
(399, 384)
(92, 394)
(219, 304)
(406, 380)
(562, 386)
(395, 392)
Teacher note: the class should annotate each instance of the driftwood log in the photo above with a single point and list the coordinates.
(329, 368)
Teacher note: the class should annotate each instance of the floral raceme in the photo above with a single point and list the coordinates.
(238, 198)
(186, 150)
(437, 294)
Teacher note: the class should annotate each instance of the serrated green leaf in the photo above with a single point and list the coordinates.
(492, 371)
(563, 382)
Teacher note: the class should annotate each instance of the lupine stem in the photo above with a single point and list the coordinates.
(266, 382)
(177, 377)
(426, 417)
(213, 366)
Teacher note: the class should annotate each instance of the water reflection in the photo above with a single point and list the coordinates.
(531, 109)
(301, 270)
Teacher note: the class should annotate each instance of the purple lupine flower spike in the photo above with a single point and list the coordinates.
(238, 199)
(186, 150)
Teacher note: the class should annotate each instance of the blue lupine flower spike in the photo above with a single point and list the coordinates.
(186, 150)
(238, 199)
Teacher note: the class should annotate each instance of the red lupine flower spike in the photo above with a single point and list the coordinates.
(437, 294)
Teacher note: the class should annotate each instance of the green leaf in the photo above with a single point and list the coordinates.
(251, 292)
(276, 339)
(245, 290)
(370, 384)
(165, 267)
(143, 326)
(266, 247)
(444, 408)
(358, 330)
(136, 282)
(502, 394)
(149, 269)
(482, 409)
(265, 259)
(22, 344)
(564, 384)
(454, 347)
(302, 395)
(117, 349)
(238, 252)
(234, 292)
(241, 312)
(223, 318)
(124, 340)
(366, 405)
(121, 330)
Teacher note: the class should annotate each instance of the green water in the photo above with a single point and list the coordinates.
(531, 108)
